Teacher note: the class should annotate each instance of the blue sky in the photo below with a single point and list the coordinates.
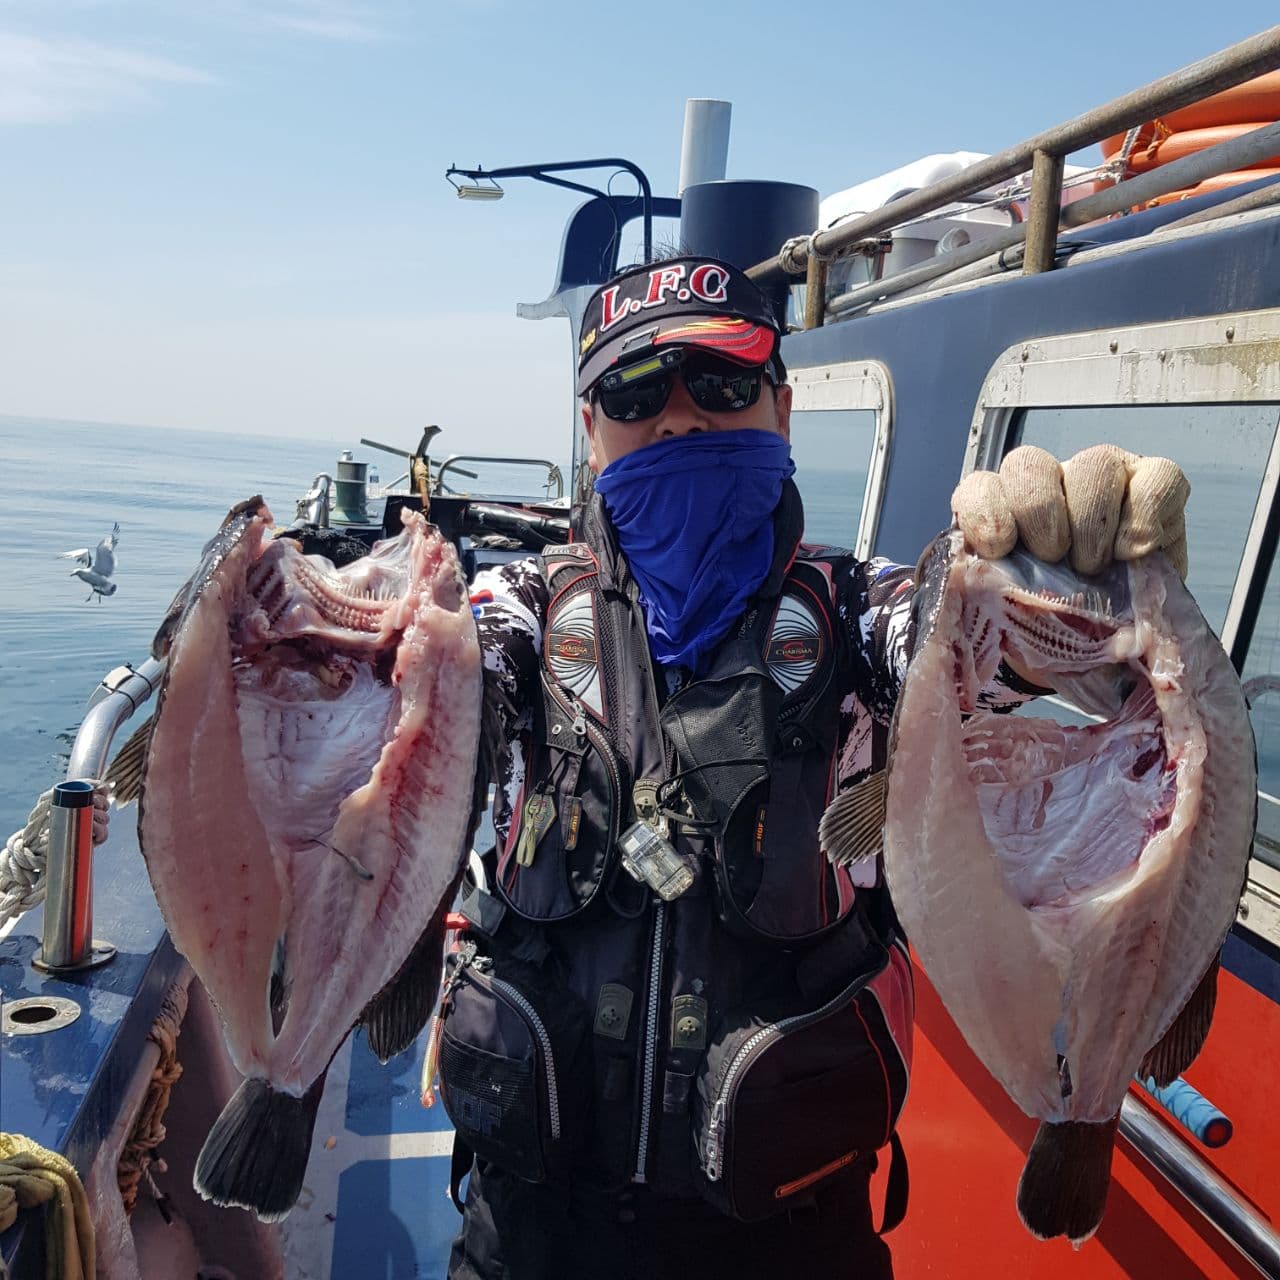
(232, 215)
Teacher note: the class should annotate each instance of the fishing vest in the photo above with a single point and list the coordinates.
(744, 1040)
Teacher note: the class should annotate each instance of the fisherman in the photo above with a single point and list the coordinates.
(676, 1036)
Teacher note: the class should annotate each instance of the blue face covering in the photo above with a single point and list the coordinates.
(694, 518)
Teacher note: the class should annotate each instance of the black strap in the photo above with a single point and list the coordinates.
(896, 1192)
(459, 1167)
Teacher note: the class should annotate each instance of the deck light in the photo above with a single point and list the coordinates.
(484, 190)
(483, 184)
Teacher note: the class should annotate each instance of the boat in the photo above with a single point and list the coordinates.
(935, 323)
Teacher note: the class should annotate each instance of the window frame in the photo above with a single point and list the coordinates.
(1229, 358)
(854, 384)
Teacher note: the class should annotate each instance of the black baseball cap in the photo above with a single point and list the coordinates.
(689, 302)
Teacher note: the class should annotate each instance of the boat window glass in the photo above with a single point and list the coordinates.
(832, 450)
(1223, 449)
(1262, 688)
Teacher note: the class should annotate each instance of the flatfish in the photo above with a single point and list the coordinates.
(1067, 889)
(306, 803)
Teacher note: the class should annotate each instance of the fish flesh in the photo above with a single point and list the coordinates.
(306, 806)
(1067, 889)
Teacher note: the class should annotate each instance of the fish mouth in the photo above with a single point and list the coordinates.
(1055, 618)
(364, 607)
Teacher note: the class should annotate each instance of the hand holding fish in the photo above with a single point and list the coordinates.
(1102, 503)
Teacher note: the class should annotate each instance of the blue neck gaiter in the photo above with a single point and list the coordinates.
(693, 517)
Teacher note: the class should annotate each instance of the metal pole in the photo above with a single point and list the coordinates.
(1200, 1184)
(704, 146)
(1242, 61)
(1046, 209)
(815, 293)
(68, 913)
(67, 940)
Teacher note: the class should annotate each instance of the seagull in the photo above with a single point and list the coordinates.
(98, 566)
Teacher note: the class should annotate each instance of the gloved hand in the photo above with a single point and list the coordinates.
(101, 813)
(1102, 503)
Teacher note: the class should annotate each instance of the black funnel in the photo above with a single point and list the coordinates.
(744, 222)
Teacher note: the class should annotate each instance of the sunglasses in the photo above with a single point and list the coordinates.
(641, 391)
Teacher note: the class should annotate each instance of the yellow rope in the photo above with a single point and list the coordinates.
(31, 1176)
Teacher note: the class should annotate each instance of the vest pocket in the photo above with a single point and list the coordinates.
(513, 1064)
(783, 1103)
(560, 846)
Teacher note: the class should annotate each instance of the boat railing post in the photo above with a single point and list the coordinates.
(1046, 200)
(67, 939)
(68, 913)
(815, 291)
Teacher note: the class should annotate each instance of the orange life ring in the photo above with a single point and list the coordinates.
(1216, 119)
(1257, 99)
(1156, 146)
(1217, 183)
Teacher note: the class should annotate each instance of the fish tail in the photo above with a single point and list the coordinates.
(255, 1156)
(1063, 1189)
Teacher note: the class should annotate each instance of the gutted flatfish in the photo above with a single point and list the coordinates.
(1067, 889)
(305, 807)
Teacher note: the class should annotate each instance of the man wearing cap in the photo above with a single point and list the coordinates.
(676, 1035)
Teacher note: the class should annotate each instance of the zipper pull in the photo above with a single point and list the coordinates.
(579, 719)
(714, 1134)
(431, 1059)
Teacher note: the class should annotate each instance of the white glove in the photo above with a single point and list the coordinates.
(1101, 504)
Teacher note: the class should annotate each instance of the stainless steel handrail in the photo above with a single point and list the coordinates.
(1195, 1179)
(553, 471)
(1232, 66)
(67, 939)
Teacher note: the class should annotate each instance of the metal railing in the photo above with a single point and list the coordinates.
(554, 476)
(67, 941)
(1044, 154)
(1195, 1179)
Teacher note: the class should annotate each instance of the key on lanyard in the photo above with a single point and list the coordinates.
(539, 814)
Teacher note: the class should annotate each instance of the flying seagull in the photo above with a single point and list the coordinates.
(96, 568)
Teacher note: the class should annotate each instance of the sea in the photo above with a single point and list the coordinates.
(67, 483)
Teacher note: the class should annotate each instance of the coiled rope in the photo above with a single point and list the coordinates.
(23, 861)
(139, 1153)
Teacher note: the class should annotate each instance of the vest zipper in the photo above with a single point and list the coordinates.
(482, 964)
(713, 1151)
(650, 1042)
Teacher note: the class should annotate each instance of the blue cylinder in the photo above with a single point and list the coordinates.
(73, 795)
(1192, 1110)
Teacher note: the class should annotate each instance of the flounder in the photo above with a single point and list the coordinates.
(306, 804)
(1067, 889)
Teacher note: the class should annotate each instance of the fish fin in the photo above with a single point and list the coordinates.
(1063, 1188)
(853, 826)
(255, 1156)
(395, 1016)
(1175, 1051)
(126, 771)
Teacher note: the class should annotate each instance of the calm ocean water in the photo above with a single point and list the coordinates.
(66, 483)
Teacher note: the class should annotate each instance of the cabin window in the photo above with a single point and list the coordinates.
(841, 420)
(1223, 449)
(1262, 688)
(832, 450)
